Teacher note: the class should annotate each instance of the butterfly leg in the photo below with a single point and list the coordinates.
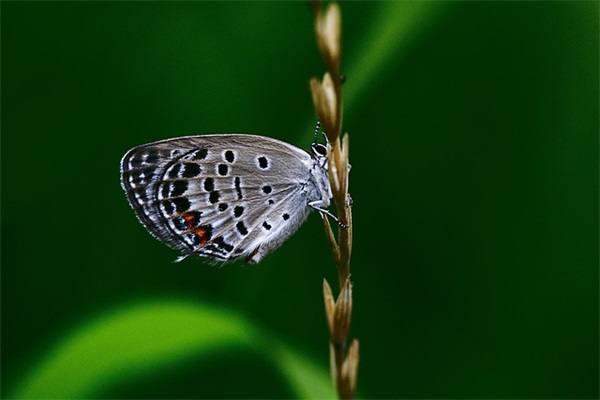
(315, 205)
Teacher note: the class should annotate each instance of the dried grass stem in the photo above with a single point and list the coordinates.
(327, 99)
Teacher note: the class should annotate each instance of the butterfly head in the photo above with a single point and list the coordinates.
(319, 153)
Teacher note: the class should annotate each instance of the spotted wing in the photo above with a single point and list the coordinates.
(219, 196)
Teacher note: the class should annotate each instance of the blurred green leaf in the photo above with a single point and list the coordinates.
(395, 26)
(392, 29)
(149, 336)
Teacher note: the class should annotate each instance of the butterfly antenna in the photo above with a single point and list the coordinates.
(317, 129)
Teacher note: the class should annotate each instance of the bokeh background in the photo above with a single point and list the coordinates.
(474, 151)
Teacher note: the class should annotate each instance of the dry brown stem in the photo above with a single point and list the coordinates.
(327, 99)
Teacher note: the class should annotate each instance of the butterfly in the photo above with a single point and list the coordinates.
(225, 197)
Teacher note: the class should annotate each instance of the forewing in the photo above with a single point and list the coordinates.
(211, 194)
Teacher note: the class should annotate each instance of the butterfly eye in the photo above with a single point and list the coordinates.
(319, 149)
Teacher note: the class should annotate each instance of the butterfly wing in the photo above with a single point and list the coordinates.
(219, 196)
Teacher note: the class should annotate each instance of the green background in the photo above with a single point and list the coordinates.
(474, 151)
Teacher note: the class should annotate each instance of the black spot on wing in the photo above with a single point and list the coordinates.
(214, 197)
(220, 242)
(209, 184)
(263, 162)
(181, 204)
(201, 154)
(238, 187)
(169, 207)
(179, 188)
(191, 170)
(174, 171)
(241, 228)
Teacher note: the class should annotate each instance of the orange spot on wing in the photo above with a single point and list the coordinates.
(191, 220)
(201, 234)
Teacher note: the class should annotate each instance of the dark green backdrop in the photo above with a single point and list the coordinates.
(474, 151)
